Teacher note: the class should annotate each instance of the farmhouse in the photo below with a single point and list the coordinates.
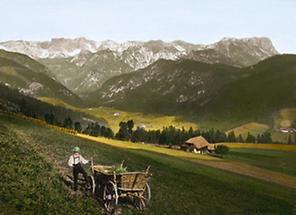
(197, 145)
(287, 130)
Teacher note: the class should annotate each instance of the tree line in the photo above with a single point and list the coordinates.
(167, 136)
(176, 136)
(93, 128)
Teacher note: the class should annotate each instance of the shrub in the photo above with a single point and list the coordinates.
(221, 149)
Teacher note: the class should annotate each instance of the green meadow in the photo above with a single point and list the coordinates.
(179, 185)
(275, 160)
(114, 116)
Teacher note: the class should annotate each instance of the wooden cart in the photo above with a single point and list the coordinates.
(110, 187)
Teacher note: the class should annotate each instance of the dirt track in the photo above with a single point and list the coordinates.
(252, 171)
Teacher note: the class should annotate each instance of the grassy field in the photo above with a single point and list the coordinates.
(114, 116)
(244, 167)
(280, 147)
(29, 185)
(252, 127)
(179, 186)
(273, 159)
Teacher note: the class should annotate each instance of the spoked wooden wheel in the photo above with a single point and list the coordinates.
(92, 184)
(143, 199)
(110, 196)
(89, 185)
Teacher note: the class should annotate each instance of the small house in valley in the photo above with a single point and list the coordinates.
(287, 130)
(197, 145)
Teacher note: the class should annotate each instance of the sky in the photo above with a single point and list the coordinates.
(196, 21)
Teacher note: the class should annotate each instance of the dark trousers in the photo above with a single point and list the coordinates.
(76, 170)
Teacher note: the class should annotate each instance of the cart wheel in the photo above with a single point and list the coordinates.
(147, 193)
(89, 185)
(143, 199)
(110, 197)
(92, 182)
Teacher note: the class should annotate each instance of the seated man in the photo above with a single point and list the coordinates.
(75, 162)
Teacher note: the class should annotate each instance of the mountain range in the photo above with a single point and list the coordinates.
(188, 87)
(83, 65)
(164, 86)
(234, 78)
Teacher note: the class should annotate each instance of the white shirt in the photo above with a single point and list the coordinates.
(76, 158)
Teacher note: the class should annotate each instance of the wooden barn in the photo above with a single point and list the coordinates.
(197, 145)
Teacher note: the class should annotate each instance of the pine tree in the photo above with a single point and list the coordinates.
(49, 118)
(250, 138)
(259, 138)
(88, 129)
(163, 139)
(109, 133)
(123, 133)
(68, 123)
(190, 132)
(130, 125)
(211, 136)
(103, 131)
(219, 137)
(77, 126)
(138, 135)
(231, 137)
(289, 139)
(267, 137)
(240, 139)
(206, 135)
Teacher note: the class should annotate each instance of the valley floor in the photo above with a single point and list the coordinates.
(228, 165)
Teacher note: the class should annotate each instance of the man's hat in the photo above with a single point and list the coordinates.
(76, 149)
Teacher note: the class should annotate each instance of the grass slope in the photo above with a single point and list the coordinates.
(12, 100)
(266, 90)
(252, 127)
(26, 61)
(21, 72)
(29, 185)
(178, 186)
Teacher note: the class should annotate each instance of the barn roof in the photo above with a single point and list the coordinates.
(199, 142)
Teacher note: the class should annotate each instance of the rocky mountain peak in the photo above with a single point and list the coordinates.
(238, 52)
(262, 43)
